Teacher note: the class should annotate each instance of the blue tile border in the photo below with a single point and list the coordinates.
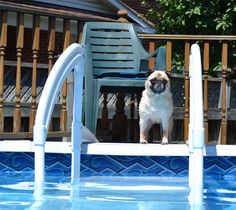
(96, 165)
(107, 165)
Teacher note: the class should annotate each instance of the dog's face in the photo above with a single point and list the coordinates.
(157, 82)
(156, 106)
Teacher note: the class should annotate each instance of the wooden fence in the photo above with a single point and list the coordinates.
(31, 38)
(30, 43)
(206, 42)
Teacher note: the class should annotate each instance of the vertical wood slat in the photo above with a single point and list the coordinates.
(205, 96)
(151, 68)
(168, 56)
(3, 44)
(223, 110)
(186, 90)
(35, 49)
(19, 47)
(51, 49)
(104, 120)
(151, 60)
(51, 42)
(63, 114)
(80, 30)
(119, 125)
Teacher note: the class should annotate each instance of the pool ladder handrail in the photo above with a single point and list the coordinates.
(71, 59)
(196, 128)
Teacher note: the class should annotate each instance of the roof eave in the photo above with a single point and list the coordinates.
(144, 26)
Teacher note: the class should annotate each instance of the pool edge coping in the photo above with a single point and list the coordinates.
(127, 149)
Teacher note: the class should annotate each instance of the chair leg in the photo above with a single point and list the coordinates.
(95, 105)
(88, 105)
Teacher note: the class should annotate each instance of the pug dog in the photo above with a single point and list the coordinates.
(156, 106)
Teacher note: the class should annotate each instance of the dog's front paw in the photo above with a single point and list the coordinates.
(143, 141)
(164, 141)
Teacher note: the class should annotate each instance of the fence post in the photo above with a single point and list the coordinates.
(3, 44)
(63, 114)
(224, 107)
(35, 49)
(205, 77)
(19, 48)
(51, 42)
(186, 90)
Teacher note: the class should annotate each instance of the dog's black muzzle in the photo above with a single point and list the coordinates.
(158, 86)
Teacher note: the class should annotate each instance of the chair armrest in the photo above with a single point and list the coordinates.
(160, 58)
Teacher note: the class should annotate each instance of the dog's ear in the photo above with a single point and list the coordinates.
(148, 73)
(168, 74)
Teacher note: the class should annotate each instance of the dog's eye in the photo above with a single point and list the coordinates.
(165, 81)
(153, 81)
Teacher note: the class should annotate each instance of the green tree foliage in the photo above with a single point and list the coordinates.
(193, 17)
(199, 17)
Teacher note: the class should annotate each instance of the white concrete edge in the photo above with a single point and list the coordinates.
(117, 148)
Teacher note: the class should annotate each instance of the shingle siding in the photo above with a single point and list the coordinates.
(89, 5)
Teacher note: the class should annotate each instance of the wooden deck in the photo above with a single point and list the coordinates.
(177, 84)
(177, 81)
(30, 42)
(9, 94)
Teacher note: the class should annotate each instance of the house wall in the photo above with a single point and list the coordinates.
(89, 5)
(28, 35)
(27, 48)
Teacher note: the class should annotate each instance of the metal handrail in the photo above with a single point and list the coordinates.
(196, 128)
(71, 58)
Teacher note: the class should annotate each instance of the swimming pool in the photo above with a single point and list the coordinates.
(116, 182)
(106, 193)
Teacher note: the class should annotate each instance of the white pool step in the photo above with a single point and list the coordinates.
(128, 149)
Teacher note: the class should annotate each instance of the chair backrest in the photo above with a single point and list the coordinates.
(112, 47)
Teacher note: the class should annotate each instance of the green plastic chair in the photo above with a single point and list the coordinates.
(113, 55)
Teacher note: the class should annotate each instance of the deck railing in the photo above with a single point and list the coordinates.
(207, 41)
(31, 40)
(36, 39)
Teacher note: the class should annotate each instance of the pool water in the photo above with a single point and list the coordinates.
(118, 193)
